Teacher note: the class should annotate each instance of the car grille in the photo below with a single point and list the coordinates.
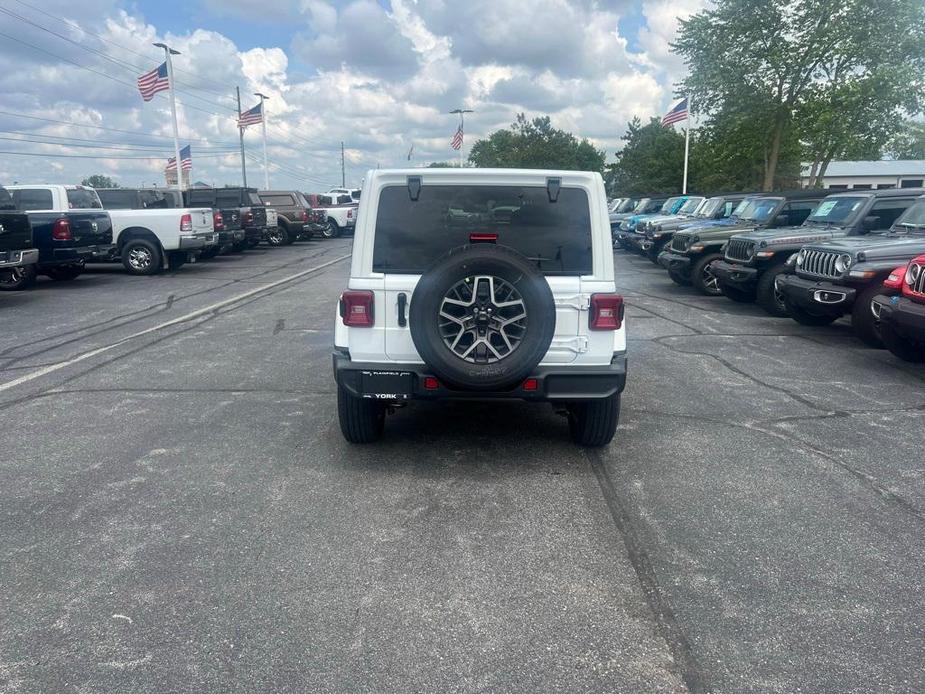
(738, 249)
(820, 264)
(918, 284)
(679, 243)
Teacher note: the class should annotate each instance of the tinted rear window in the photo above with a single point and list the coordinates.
(117, 199)
(410, 236)
(82, 199)
(33, 199)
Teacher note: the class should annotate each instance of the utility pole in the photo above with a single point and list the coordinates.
(343, 168)
(173, 111)
(241, 136)
(266, 164)
(461, 111)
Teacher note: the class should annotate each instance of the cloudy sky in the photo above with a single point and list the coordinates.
(379, 75)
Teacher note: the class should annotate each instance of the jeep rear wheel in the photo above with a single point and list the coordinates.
(702, 276)
(899, 346)
(594, 423)
(361, 420)
(768, 295)
(482, 317)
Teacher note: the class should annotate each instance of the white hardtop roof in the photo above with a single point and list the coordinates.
(882, 167)
(450, 175)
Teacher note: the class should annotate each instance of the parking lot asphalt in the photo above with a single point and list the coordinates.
(179, 512)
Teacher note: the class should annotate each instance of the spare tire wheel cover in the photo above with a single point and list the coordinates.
(482, 317)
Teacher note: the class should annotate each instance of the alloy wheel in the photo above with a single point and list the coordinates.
(140, 258)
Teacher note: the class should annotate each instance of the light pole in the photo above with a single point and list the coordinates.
(173, 111)
(461, 111)
(263, 113)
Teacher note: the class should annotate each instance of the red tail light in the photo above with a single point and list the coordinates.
(304, 215)
(356, 309)
(431, 383)
(531, 384)
(482, 237)
(186, 222)
(349, 214)
(606, 312)
(218, 221)
(61, 231)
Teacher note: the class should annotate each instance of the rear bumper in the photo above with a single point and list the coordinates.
(554, 383)
(18, 258)
(255, 233)
(79, 254)
(197, 242)
(736, 275)
(904, 316)
(821, 298)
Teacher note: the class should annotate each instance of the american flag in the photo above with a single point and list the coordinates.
(186, 160)
(457, 139)
(677, 114)
(153, 82)
(251, 116)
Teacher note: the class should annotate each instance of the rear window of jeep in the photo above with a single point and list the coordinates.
(410, 235)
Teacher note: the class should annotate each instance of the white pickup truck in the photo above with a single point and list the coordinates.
(147, 240)
(340, 211)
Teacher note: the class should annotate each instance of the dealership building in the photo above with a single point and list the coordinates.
(867, 175)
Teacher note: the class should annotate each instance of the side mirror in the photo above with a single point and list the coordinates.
(871, 222)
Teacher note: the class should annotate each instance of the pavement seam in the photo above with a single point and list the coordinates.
(688, 669)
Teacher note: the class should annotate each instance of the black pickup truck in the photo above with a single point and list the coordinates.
(68, 229)
(753, 261)
(16, 251)
(843, 276)
(228, 219)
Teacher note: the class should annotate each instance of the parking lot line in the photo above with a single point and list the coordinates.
(51, 368)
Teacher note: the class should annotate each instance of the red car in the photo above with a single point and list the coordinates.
(901, 319)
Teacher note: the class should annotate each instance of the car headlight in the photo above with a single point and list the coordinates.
(913, 273)
(842, 263)
(801, 256)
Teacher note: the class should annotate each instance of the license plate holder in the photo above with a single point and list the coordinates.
(386, 385)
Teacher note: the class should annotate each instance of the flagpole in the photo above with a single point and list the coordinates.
(263, 120)
(173, 112)
(241, 136)
(687, 143)
(462, 129)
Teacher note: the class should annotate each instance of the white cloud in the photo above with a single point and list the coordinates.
(375, 77)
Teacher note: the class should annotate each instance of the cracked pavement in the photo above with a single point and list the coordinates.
(180, 513)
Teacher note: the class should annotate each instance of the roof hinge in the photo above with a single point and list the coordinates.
(552, 188)
(414, 187)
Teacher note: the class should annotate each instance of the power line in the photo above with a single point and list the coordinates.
(80, 145)
(96, 156)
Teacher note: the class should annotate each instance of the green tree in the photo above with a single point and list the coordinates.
(908, 142)
(535, 144)
(99, 181)
(792, 60)
(651, 161)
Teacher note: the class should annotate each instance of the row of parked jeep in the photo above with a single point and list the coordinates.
(54, 230)
(812, 255)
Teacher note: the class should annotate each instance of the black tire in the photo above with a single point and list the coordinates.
(656, 248)
(740, 296)
(332, 230)
(866, 327)
(766, 294)
(678, 278)
(486, 372)
(290, 237)
(702, 277)
(277, 236)
(804, 317)
(361, 420)
(18, 278)
(176, 260)
(593, 423)
(141, 257)
(899, 346)
(64, 273)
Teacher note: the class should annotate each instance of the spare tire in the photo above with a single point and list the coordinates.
(482, 317)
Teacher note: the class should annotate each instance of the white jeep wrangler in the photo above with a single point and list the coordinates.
(481, 284)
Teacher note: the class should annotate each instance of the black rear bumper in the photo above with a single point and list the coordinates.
(553, 383)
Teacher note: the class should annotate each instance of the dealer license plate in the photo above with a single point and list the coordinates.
(386, 385)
